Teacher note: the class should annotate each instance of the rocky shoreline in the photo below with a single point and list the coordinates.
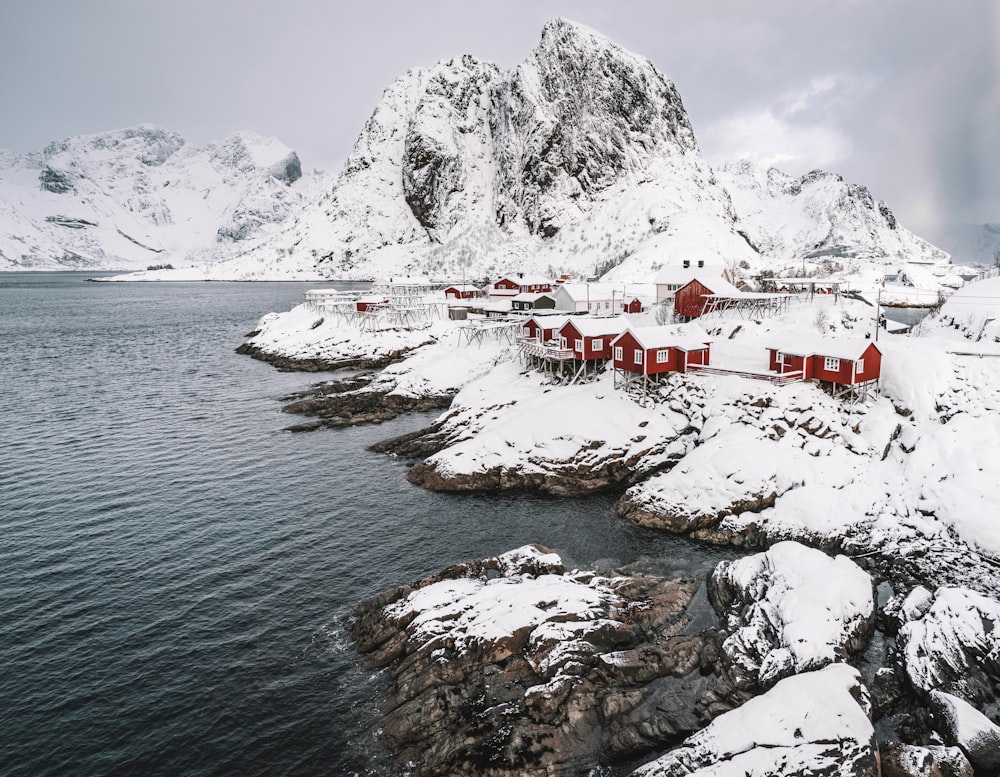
(515, 665)
(352, 401)
(318, 364)
(504, 706)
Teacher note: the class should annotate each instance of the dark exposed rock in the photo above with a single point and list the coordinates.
(350, 402)
(412, 445)
(560, 478)
(55, 181)
(899, 760)
(545, 689)
(291, 364)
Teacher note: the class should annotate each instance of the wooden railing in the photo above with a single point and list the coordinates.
(541, 351)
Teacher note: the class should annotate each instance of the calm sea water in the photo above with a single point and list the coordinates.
(175, 570)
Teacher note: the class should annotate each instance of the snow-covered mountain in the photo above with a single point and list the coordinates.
(580, 160)
(142, 196)
(819, 216)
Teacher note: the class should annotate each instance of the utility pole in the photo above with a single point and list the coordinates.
(878, 312)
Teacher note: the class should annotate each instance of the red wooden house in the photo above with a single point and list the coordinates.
(842, 362)
(461, 291)
(590, 338)
(543, 328)
(652, 350)
(635, 306)
(520, 283)
(691, 298)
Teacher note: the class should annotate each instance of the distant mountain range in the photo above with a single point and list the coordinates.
(972, 243)
(580, 160)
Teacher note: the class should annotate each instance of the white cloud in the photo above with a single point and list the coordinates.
(792, 133)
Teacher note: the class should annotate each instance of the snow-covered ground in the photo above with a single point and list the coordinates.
(912, 469)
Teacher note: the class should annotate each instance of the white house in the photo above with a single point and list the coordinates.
(598, 299)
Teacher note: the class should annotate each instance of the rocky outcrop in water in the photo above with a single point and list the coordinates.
(350, 402)
(515, 666)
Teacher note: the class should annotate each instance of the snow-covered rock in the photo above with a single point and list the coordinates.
(507, 430)
(791, 609)
(808, 724)
(951, 643)
(899, 760)
(971, 730)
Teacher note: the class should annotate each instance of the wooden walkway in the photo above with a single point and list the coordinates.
(775, 378)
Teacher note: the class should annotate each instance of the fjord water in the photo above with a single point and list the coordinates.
(176, 570)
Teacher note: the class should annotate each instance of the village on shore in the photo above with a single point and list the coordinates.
(791, 416)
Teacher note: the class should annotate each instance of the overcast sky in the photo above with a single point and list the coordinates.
(900, 95)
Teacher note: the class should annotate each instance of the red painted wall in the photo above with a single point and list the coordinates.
(689, 299)
(571, 334)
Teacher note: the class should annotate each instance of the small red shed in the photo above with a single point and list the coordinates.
(364, 304)
(635, 306)
(840, 361)
(690, 299)
(651, 350)
(590, 338)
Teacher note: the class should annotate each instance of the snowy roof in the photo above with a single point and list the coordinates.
(809, 345)
(676, 273)
(528, 296)
(686, 337)
(369, 298)
(462, 287)
(596, 327)
(549, 322)
(718, 286)
(580, 292)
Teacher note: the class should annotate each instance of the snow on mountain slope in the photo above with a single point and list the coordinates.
(572, 162)
(819, 216)
(139, 196)
(580, 160)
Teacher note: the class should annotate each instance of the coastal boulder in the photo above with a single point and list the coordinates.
(515, 666)
(791, 609)
(951, 643)
(813, 724)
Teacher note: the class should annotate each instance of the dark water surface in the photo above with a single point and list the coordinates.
(175, 569)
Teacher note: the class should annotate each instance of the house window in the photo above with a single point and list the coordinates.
(619, 355)
(663, 356)
(787, 359)
(638, 357)
(598, 345)
(579, 345)
(562, 343)
(831, 364)
(701, 262)
(687, 263)
(859, 365)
